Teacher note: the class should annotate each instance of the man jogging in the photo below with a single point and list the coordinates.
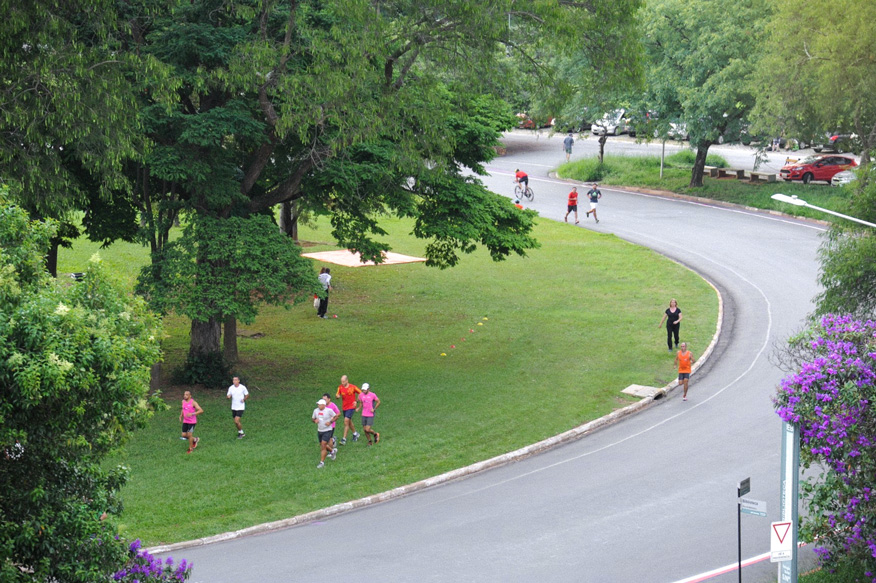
(337, 412)
(567, 145)
(347, 393)
(684, 360)
(323, 418)
(573, 205)
(594, 195)
(238, 395)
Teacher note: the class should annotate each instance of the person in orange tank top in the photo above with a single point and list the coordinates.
(684, 359)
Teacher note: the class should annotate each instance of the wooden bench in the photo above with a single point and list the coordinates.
(762, 177)
(731, 173)
(710, 171)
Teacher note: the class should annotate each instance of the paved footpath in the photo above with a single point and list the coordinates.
(651, 498)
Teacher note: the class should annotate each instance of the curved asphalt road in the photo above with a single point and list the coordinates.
(649, 499)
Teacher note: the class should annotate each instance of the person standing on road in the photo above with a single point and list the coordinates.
(323, 418)
(684, 361)
(325, 280)
(368, 403)
(672, 316)
(567, 145)
(573, 205)
(347, 393)
(238, 395)
(189, 418)
(594, 195)
(333, 407)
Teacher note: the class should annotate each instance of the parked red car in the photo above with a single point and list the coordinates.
(820, 168)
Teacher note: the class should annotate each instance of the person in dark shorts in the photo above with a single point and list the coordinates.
(672, 316)
(238, 395)
(333, 407)
(189, 418)
(368, 402)
(347, 392)
(567, 145)
(572, 207)
(323, 417)
(684, 361)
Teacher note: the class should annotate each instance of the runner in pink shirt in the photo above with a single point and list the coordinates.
(368, 402)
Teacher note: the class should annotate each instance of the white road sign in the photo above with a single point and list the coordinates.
(781, 541)
(749, 506)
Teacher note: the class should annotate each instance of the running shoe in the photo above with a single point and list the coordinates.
(320, 465)
(333, 455)
(197, 439)
(376, 437)
(343, 441)
(355, 436)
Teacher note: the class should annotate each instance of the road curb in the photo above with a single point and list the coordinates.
(500, 460)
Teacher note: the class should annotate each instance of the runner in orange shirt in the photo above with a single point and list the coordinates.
(684, 360)
(348, 393)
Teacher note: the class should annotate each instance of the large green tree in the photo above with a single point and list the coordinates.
(353, 109)
(74, 377)
(67, 112)
(701, 59)
(818, 72)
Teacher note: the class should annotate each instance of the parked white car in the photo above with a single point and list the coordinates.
(612, 123)
(844, 177)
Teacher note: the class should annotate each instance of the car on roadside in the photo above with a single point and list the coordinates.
(612, 123)
(839, 143)
(843, 178)
(817, 168)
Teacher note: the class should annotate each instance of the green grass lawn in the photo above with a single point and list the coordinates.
(542, 344)
(644, 172)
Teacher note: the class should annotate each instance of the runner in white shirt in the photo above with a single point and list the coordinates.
(238, 395)
(324, 417)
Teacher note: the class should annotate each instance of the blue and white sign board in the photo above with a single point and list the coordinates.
(755, 507)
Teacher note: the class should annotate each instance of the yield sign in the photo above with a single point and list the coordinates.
(781, 541)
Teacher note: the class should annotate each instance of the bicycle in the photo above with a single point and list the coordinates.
(526, 193)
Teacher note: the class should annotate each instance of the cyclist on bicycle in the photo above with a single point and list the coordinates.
(521, 178)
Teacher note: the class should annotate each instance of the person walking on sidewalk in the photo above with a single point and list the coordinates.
(189, 418)
(368, 403)
(238, 395)
(347, 393)
(572, 207)
(684, 361)
(672, 316)
(323, 418)
(594, 195)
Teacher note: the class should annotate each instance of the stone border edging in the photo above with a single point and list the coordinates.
(500, 460)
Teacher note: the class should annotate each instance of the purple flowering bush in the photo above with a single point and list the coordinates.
(143, 567)
(830, 399)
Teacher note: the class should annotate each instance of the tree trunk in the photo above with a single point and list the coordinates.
(229, 339)
(289, 219)
(52, 258)
(602, 139)
(204, 338)
(696, 174)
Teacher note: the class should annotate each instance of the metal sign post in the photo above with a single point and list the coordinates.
(743, 488)
(789, 496)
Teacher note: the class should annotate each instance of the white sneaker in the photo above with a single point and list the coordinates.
(355, 436)
(333, 455)
(320, 465)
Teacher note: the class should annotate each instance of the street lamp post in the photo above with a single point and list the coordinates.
(800, 202)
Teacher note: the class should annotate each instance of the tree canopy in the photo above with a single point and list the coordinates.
(818, 71)
(700, 62)
(74, 376)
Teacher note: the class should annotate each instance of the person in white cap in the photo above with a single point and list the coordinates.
(368, 402)
(323, 418)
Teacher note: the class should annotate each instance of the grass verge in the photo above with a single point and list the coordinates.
(644, 172)
(542, 344)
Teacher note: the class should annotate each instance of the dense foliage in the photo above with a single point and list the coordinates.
(831, 399)
(74, 376)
